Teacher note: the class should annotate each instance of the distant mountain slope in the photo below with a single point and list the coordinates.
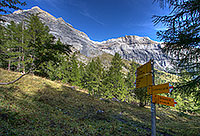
(141, 49)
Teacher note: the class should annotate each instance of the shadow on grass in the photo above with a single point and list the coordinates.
(64, 111)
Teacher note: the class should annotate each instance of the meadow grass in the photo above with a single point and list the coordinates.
(38, 106)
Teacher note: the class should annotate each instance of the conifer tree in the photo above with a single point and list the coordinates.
(11, 46)
(74, 73)
(42, 47)
(182, 41)
(130, 79)
(88, 78)
(93, 77)
(114, 81)
(39, 40)
(7, 5)
(82, 73)
(99, 77)
(58, 70)
(67, 69)
(22, 41)
(3, 62)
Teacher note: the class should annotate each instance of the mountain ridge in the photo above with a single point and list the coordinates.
(141, 49)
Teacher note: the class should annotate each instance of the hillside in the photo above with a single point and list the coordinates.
(37, 106)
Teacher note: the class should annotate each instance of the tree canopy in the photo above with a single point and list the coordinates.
(182, 40)
(7, 5)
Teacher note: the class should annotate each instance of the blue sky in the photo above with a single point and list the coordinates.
(106, 19)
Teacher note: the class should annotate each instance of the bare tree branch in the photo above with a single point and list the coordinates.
(15, 79)
(11, 82)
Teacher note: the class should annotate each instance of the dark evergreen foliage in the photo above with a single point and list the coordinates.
(114, 81)
(2, 53)
(182, 41)
(9, 45)
(92, 79)
(130, 79)
(74, 73)
(42, 46)
(7, 5)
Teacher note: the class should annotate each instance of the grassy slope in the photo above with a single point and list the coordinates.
(37, 106)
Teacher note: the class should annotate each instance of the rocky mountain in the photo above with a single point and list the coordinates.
(141, 49)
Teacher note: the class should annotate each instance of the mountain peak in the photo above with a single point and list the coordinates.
(36, 7)
(33, 8)
(61, 19)
(133, 39)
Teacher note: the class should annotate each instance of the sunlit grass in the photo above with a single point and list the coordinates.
(37, 106)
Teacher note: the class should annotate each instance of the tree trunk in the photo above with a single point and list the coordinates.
(23, 67)
(9, 63)
(19, 61)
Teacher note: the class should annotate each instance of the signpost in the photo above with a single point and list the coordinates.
(163, 100)
(153, 106)
(145, 78)
(158, 89)
(144, 75)
(146, 68)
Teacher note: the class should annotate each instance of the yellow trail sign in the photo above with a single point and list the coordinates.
(144, 81)
(163, 100)
(158, 89)
(144, 69)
